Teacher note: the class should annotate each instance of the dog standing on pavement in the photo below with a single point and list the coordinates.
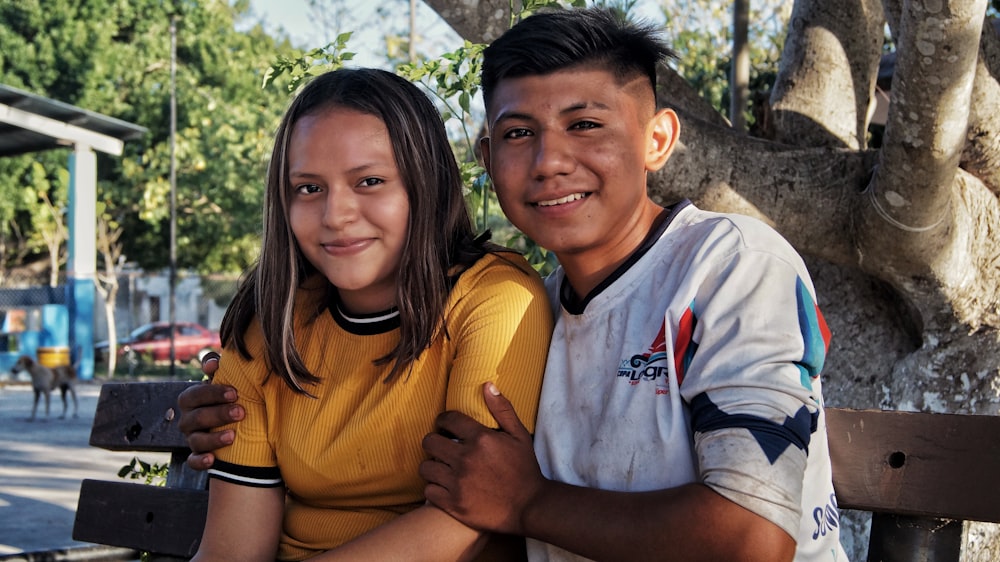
(46, 379)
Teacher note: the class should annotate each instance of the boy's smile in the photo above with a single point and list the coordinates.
(568, 153)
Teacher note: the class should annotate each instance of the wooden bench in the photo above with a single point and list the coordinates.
(921, 476)
(165, 521)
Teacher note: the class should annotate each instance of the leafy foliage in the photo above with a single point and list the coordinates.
(154, 474)
(302, 65)
(529, 7)
(700, 33)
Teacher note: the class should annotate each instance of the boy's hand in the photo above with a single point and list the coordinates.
(210, 364)
(483, 477)
(203, 408)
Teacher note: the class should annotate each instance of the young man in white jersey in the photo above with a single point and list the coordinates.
(681, 413)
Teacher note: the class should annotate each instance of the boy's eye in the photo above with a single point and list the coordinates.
(584, 125)
(517, 133)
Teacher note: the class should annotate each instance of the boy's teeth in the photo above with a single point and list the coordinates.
(568, 199)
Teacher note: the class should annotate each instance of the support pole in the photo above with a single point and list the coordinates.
(82, 260)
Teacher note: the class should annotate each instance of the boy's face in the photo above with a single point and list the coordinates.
(568, 153)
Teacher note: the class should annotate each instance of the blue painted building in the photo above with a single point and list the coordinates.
(31, 123)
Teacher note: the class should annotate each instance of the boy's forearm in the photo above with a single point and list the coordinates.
(690, 522)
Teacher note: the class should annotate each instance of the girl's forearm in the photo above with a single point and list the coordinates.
(424, 534)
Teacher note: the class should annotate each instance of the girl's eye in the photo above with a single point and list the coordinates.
(307, 188)
(369, 182)
(517, 133)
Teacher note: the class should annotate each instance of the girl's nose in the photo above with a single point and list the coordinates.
(340, 208)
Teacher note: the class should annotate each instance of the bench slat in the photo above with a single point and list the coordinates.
(917, 464)
(149, 518)
(138, 417)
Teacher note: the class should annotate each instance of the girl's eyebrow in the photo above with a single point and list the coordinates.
(361, 168)
(302, 175)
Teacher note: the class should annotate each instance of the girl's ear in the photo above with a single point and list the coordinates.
(661, 136)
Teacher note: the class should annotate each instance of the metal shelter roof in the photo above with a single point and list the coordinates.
(32, 123)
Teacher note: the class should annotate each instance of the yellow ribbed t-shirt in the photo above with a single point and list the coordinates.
(348, 457)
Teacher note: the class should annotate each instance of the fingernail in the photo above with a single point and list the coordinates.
(230, 395)
(234, 413)
(227, 437)
(492, 388)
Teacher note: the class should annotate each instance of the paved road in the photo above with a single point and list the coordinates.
(42, 464)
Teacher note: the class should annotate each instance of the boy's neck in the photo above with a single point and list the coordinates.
(584, 272)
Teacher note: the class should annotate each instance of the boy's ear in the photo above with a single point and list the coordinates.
(484, 149)
(661, 136)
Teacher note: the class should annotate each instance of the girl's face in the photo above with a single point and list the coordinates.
(349, 209)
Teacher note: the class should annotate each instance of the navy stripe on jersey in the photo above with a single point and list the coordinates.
(772, 437)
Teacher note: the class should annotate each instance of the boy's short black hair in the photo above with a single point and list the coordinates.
(556, 40)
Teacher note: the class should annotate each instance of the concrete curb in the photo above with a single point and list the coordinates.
(97, 553)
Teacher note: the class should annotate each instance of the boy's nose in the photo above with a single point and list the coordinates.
(552, 157)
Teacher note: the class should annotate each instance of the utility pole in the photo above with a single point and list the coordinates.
(413, 32)
(173, 192)
(739, 76)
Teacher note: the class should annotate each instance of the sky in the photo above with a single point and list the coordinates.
(297, 19)
(436, 36)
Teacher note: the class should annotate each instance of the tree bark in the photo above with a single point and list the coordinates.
(805, 193)
(981, 156)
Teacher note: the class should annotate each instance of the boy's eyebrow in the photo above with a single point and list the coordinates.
(508, 115)
(576, 106)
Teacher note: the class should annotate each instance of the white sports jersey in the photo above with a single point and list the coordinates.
(697, 361)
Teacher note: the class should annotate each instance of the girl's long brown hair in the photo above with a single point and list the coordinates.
(440, 230)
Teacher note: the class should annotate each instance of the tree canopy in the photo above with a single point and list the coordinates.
(113, 57)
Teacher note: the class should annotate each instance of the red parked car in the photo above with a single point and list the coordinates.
(151, 342)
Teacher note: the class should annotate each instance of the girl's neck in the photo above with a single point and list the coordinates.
(363, 303)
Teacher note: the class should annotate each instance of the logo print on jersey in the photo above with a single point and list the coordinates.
(652, 365)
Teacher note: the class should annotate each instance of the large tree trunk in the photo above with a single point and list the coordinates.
(903, 241)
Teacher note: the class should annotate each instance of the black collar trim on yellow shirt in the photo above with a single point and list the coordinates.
(365, 324)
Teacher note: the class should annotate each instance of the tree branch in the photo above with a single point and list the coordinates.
(912, 189)
(481, 23)
(827, 74)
